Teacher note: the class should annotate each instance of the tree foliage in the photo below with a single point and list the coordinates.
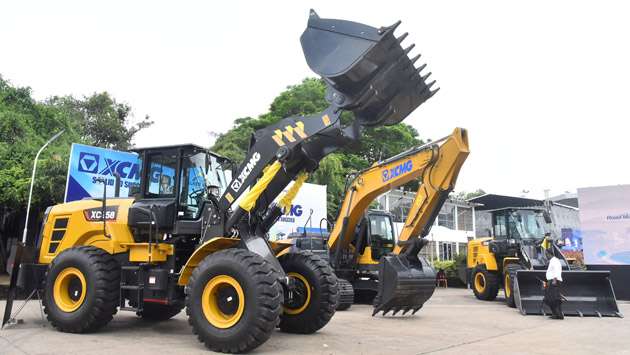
(26, 124)
(308, 98)
(467, 195)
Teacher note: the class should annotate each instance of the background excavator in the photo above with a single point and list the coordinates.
(183, 245)
(513, 258)
(362, 247)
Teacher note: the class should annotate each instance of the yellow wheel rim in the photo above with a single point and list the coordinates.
(480, 282)
(508, 291)
(223, 301)
(69, 289)
(307, 287)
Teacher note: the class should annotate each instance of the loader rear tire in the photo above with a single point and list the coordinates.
(508, 284)
(156, 312)
(82, 289)
(346, 295)
(233, 300)
(485, 284)
(317, 290)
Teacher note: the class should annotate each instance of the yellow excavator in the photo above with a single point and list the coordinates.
(361, 246)
(178, 244)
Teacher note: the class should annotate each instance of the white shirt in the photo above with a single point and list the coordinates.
(554, 271)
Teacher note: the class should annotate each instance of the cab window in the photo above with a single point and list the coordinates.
(193, 185)
(161, 180)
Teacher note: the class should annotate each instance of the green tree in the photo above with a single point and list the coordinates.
(307, 98)
(467, 195)
(25, 124)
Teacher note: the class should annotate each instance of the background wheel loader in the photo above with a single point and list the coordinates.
(179, 244)
(514, 259)
(362, 245)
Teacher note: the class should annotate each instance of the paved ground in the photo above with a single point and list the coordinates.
(452, 322)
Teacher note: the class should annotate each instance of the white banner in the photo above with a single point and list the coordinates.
(605, 221)
(311, 197)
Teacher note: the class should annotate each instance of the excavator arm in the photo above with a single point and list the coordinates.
(436, 164)
(405, 281)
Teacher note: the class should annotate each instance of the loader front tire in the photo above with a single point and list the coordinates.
(485, 284)
(82, 290)
(233, 300)
(509, 275)
(315, 295)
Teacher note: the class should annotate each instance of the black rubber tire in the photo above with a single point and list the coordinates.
(156, 312)
(263, 300)
(346, 295)
(510, 270)
(102, 294)
(492, 284)
(324, 293)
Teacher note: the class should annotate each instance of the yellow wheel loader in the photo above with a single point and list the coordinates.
(362, 247)
(179, 243)
(514, 259)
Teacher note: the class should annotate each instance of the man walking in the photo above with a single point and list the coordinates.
(553, 298)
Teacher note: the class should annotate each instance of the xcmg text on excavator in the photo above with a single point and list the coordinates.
(178, 244)
(362, 248)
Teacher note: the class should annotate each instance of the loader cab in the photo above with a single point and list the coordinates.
(174, 185)
(521, 231)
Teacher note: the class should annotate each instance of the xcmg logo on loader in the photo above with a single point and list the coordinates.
(238, 182)
(398, 170)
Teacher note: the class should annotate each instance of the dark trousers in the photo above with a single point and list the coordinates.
(553, 299)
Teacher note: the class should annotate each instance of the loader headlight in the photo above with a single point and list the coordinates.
(485, 243)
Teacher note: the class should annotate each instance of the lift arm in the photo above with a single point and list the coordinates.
(437, 164)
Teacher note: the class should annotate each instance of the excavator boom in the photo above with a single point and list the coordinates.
(405, 281)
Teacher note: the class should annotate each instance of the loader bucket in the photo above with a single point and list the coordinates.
(366, 69)
(586, 293)
(403, 285)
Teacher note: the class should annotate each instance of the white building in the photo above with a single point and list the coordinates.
(451, 230)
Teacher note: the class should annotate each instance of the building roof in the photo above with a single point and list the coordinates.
(493, 202)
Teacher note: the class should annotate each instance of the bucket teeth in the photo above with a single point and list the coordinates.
(408, 49)
(415, 310)
(406, 310)
(415, 59)
(402, 37)
(424, 78)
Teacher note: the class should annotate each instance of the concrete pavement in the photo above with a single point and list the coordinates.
(452, 322)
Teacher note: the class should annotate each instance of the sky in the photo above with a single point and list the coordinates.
(541, 86)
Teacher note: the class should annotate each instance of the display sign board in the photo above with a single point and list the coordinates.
(605, 220)
(87, 164)
(311, 197)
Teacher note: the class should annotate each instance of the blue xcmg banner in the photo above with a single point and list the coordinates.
(88, 163)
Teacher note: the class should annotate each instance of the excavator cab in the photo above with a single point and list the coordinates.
(380, 236)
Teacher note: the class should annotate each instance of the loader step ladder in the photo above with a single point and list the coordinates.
(132, 288)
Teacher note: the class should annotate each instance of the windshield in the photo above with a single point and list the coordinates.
(193, 186)
(216, 175)
(527, 224)
(381, 228)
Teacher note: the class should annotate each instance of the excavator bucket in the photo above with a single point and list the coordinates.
(585, 293)
(366, 69)
(406, 282)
